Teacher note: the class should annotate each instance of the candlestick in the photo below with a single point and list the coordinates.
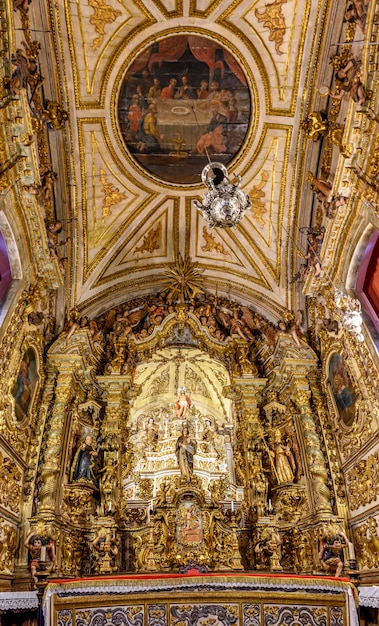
(232, 506)
(43, 553)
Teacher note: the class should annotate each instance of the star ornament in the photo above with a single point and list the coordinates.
(182, 280)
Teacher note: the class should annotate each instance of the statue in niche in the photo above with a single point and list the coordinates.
(186, 447)
(183, 403)
(84, 461)
(283, 460)
(189, 530)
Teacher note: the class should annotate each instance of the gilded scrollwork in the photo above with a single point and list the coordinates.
(273, 19)
(366, 540)
(363, 482)
(10, 484)
(7, 546)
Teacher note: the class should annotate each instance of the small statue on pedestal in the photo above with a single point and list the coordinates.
(105, 551)
(331, 552)
(40, 549)
(267, 550)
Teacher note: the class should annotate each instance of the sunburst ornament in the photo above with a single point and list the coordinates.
(182, 280)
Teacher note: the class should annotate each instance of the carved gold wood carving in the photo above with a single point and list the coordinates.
(103, 14)
(256, 194)
(211, 245)
(112, 195)
(8, 547)
(151, 241)
(366, 540)
(273, 19)
(362, 482)
(10, 484)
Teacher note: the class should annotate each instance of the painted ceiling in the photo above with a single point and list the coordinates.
(131, 211)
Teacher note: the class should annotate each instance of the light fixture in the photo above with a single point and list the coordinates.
(224, 204)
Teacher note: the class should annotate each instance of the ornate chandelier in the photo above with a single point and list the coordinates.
(224, 204)
(350, 313)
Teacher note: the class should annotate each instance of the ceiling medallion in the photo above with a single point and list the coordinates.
(182, 100)
(224, 205)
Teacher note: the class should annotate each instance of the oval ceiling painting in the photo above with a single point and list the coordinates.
(183, 102)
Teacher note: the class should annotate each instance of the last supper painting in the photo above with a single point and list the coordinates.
(183, 102)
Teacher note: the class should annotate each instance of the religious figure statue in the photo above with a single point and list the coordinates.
(183, 403)
(331, 552)
(259, 486)
(267, 550)
(185, 450)
(283, 460)
(84, 461)
(107, 487)
(189, 524)
(39, 550)
(151, 432)
(105, 551)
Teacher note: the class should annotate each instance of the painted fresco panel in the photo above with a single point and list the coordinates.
(184, 101)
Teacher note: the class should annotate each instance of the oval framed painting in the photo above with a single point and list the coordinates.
(183, 102)
(25, 384)
(342, 389)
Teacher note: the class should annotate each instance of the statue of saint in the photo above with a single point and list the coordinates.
(185, 450)
(84, 460)
(151, 432)
(283, 460)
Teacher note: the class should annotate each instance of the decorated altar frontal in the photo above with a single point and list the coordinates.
(201, 599)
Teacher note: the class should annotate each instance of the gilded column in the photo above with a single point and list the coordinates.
(115, 437)
(64, 391)
(319, 493)
(246, 395)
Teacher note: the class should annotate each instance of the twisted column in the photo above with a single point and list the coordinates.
(51, 468)
(320, 492)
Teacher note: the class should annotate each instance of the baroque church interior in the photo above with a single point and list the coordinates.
(189, 254)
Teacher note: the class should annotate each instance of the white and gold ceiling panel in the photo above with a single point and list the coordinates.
(97, 29)
(277, 31)
(135, 207)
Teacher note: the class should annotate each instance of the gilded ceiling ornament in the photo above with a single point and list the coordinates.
(182, 280)
(112, 195)
(151, 240)
(273, 19)
(211, 245)
(103, 14)
(256, 194)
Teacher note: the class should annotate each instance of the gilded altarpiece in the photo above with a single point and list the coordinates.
(173, 444)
